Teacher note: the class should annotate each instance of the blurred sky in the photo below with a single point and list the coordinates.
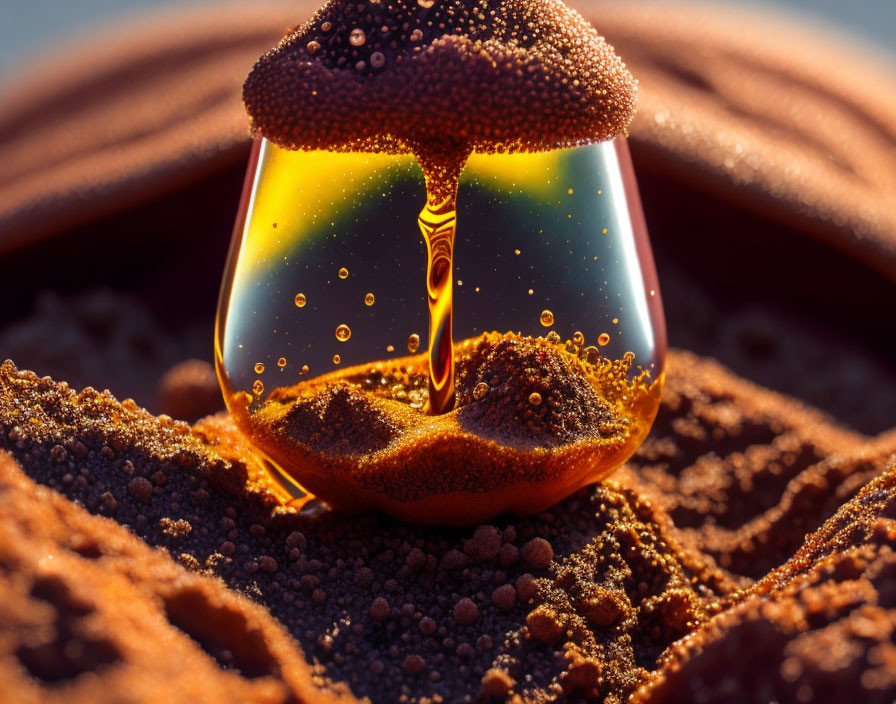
(25, 26)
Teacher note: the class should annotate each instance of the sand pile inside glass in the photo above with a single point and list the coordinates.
(527, 411)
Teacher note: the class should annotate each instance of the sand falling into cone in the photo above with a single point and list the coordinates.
(440, 79)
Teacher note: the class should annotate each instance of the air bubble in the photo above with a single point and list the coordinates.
(343, 273)
(357, 37)
(535, 398)
(369, 299)
(313, 47)
(480, 390)
(343, 332)
(258, 387)
(377, 59)
(259, 368)
(603, 339)
(336, 359)
(281, 362)
(547, 318)
(413, 343)
(578, 338)
(301, 300)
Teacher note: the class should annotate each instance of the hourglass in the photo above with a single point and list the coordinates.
(492, 352)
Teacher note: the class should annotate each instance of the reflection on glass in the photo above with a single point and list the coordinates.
(323, 326)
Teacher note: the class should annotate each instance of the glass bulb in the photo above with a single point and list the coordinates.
(558, 331)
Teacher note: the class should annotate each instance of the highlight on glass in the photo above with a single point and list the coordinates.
(376, 360)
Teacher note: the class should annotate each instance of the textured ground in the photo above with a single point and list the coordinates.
(637, 586)
(765, 160)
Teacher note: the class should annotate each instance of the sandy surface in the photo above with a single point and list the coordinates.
(638, 585)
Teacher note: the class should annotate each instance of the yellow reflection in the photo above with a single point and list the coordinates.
(537, 173)
(296, 191)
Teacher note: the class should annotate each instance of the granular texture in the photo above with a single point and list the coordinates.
(511, 369)
(825, 621)
(339, 421)
(427, 75)
(749, 473)
(85, 605)
(604, 585)
(532, 421)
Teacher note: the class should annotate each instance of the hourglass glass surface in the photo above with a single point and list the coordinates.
(324, 321)
(512, 353)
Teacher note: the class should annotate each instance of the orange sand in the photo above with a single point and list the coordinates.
(358, 448)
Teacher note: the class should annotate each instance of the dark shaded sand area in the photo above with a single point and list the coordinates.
(583, 600)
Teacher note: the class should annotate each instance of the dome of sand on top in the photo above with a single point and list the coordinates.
(499, 75)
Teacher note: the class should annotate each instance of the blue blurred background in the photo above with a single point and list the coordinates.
(26, 26)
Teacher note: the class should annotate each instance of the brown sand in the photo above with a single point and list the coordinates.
(390, 609)
(484, 75)
(818, 628)
(85, 606)
(359, 438)
(102, 334)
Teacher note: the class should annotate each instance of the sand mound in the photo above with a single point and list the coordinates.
(519, 392)
(499, 75)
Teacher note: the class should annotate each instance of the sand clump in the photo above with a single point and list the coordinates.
(523, 76)
(509, 371)
(339, 421)
(189, 390)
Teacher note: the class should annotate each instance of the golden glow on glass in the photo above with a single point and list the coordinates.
(319, 185)
(540, 254)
